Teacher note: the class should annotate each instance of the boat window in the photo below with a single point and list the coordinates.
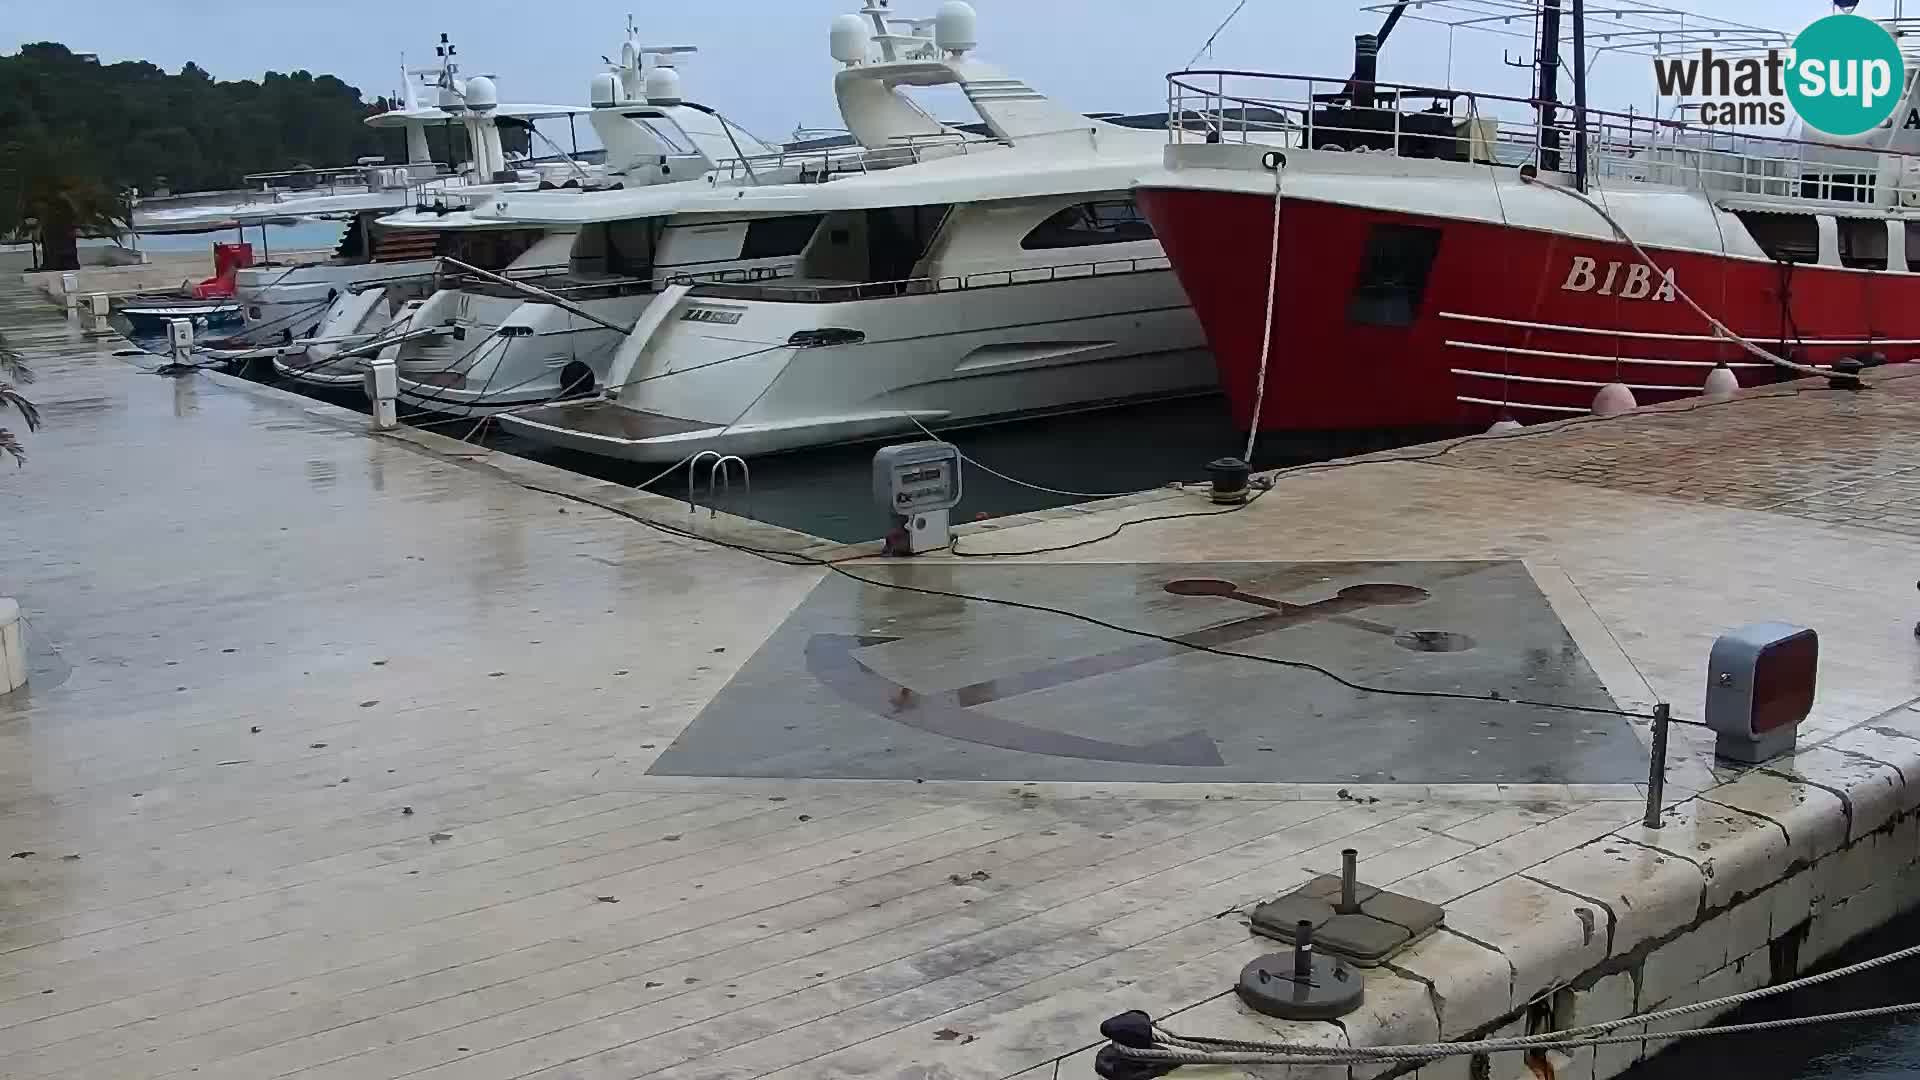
(1838, 187)
(1784, 237)
(669, 134)
(1393, 275)
(619, 249)
(1913, 246)
(898, 237)
(1112, 221)
(779, 237)
(1863, 243)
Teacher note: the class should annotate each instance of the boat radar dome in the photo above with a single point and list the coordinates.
(481, 96)
(663, 85)
(604, 91)
(849, 39)
(956, 28)
(453, 96)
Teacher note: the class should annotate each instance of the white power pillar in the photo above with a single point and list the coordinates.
(383, 390)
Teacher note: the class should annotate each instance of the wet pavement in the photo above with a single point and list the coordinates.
(892, 684)
(361, 757)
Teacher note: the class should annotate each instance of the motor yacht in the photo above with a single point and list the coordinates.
(947, 279)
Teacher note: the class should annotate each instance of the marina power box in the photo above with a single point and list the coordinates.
(1760, 682)
(919, 484)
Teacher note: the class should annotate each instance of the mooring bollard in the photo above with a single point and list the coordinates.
(101, 307)
(1657, 767)
(70, 292)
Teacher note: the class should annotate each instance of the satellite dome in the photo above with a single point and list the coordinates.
(453, 96)
(956, 27)
(663, 85)
(849, 39)
(604, 91)
(481, 96)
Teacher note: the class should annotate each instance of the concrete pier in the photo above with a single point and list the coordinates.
(362, 756)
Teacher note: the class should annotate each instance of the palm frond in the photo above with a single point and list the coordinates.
(13, 365)
(29, 412)
(11, 445)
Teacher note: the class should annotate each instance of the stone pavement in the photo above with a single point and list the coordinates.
(369, 757)
(1847, 459)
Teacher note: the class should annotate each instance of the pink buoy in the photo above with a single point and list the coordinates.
(1614, 399)
(1721, 383)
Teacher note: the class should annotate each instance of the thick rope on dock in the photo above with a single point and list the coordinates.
(1170, 1047)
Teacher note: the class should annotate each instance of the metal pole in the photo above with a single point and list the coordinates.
(1303, 949)
(1548, 95)
(1349, 881)
(1580, 94)
(1657, 766)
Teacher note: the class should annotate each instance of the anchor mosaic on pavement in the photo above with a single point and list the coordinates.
(878, 683)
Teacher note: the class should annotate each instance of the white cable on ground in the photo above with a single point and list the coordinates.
(1196, 1050)
(1718, 327)
(1266, 328)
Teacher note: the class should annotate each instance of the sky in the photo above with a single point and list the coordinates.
(765, 64)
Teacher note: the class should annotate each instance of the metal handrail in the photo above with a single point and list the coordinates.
(1631, 146)
(837, 292)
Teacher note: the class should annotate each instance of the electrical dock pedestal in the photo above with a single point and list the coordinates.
(918, 484)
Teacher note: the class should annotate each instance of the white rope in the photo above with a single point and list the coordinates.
(1266, 327)
(1719, 327)
(989, 470)
(1195, 1050)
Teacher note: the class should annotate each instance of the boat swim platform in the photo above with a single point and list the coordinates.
(357, 756)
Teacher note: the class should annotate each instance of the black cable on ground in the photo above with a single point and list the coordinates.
(790, 558)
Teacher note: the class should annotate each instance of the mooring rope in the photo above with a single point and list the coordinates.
(1198, 1050)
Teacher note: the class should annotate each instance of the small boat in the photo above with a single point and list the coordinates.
(150, 315)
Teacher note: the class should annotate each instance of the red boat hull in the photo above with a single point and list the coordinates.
(1457, 354)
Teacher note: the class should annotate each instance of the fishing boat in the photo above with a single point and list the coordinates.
(1389, 256)
(945, 278)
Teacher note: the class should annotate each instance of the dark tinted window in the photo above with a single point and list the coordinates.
(1863, 243)
(1115, 221)
(777, 238)
(1784, 237)
(1393, 275)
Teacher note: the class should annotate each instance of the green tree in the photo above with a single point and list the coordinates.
(56, 183)
(147, 128)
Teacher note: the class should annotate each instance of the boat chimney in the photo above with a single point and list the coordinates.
(1366, 68)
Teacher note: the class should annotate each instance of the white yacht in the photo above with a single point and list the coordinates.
(287, 298)
(541, 336)
(983, 278)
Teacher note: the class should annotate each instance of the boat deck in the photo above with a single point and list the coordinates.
(369, 757)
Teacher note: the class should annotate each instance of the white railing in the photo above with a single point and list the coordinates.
(1321, 113)
(769, 287)
(828, 160)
